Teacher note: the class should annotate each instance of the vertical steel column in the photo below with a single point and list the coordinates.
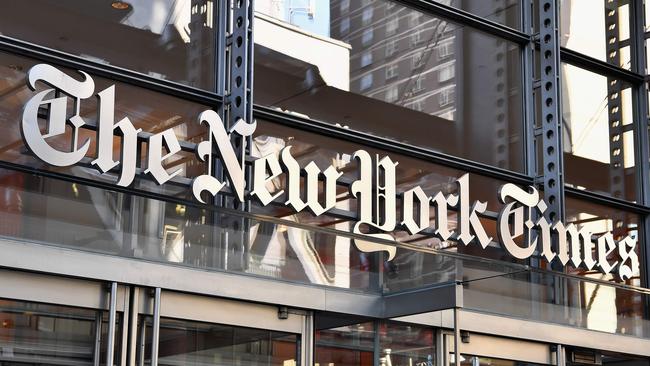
(376, 343)
(155, 334)
(125, 326)
(456, 337)
(132, 343)
(238, 106)
(642, 151)
(142, 340)
(560, 356)
(307, 344)
(552, 171)
(501, 137)
(642, 157)
(112, 314)
(98, 337)
(529, 88)
(614, 106)
(441, 352)
(529, 93)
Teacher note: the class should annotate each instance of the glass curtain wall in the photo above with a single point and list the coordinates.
(603, 119)
(424, 82)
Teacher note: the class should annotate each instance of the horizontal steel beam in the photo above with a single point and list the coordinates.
(48, 55)
(388, 145)
(598, 66)
(463, 17)
(607, 200)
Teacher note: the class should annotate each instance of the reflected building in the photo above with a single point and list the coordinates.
(429, 65)
(391, 47)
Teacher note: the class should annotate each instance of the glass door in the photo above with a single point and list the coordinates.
(47, 320)
(485, 350)
(193, 343)
(197, 330)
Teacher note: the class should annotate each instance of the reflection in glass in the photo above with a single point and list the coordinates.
(376, 65)
(551, 297)
(599, 300)
(506, 12)
(40, 334)
(348, 345)
(194, 344)
(469, 360)
(270, 138)
(577, 356)
(399, 344)
(151, 111)
(166, 39)
(597, 28)
(598, 139)
(68, 214)
(404, 344)
(601, 219)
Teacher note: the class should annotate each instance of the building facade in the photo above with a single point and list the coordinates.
(324, 182)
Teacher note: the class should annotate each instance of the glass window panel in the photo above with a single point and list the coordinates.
(600, 219)
(398, 95)
(470, 360)
(151, 111)
(596, 29)
(348, 345)
(597, 133)
(574, 355)
(42, 334)
(170, 40)
(194, 344)
(506, 12)
(353, 344)
(406, 344)
(61, 213)
(270, 138)
(552, 297)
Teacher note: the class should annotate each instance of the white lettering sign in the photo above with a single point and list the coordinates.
(522, 228)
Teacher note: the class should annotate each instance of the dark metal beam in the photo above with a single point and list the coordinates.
(600, 67)
(602, 199)
(460, 16)
(422, 300)
(62, 59)
(388, 145)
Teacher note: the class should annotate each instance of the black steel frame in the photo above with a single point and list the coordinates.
(530, 41)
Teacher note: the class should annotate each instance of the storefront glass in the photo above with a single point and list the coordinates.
(580, 356)
(398, 344)
(469, 360)
(168, 40)
(194, 344)
(41, 334)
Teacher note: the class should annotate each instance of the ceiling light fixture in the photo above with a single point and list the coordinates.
(120, 5)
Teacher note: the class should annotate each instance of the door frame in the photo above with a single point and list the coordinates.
(158, 303)
(483, 345)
